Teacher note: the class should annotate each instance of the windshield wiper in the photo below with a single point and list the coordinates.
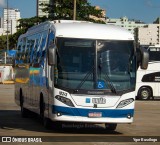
(84, 79)
(113, 89)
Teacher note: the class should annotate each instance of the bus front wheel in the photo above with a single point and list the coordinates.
(110, 126)
(145, 93)
(46, 121)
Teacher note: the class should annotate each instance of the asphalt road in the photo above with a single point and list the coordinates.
(146, 123)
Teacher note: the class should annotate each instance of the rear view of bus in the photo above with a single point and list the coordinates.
(91, 74)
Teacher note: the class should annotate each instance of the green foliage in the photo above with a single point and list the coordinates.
(12, 40)
(3, 41)
(29, 22)
(63, 9)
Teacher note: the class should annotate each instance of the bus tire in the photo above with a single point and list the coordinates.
(145, 93)
(110, 126)
(57, 125)
(24, 111)
(45, 121)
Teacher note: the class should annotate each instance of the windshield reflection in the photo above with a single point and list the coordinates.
(117, 61)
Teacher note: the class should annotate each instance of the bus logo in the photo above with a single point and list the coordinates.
(98, 100)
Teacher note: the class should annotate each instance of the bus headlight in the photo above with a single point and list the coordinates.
(64, 100)
(125, 103)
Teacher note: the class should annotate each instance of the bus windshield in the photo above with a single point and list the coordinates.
(154, 53)
(95, 64)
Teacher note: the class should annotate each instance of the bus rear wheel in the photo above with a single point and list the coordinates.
(110, 126)
(45, 121)
(24, 111)
(145, 93)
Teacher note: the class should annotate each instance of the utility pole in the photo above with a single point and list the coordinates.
(7, 28)
(74, 11)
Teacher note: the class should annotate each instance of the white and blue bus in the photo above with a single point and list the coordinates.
(148, 86)
(73, 71)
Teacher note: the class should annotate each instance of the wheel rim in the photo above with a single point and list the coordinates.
(145, 94)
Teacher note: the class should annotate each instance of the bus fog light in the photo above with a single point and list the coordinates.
(59, 114)
(129, 116)
(125, 103)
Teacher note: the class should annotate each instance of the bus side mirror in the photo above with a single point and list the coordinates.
(52, 55)
(144, 58)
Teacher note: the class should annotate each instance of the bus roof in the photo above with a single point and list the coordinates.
(82, 29)
(92, 31)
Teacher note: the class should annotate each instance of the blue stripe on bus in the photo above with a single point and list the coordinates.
(112, 113)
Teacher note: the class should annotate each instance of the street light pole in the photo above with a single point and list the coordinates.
(74, 11)
(7, 28)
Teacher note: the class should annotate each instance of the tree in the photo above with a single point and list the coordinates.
(3, 40)
(63, 9)
(29, 22)
(12, 40)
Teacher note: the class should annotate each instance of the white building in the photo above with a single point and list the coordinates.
(1, 26)
(1, 22)
(40, 8)
(126, 23)
(1, 31)
(148, 35)
(13, 15)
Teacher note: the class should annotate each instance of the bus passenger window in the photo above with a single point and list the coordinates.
(51, 38)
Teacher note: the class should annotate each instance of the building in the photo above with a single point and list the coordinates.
(1, 31)
(1, 22)
(130, 25)
(157, 21)
(1, 26)
(148, 35)
(12, 16)
(40, 7)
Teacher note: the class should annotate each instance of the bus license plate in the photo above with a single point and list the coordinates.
(98, 100)
(95, 114)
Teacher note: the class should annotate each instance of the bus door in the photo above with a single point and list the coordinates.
(50, 75)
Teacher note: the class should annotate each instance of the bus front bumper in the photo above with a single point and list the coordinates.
(69, 114)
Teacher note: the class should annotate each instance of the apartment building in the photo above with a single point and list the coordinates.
(1, 26)
(10, 16)
(1, 31)
(148, 35)
(40, 7)
(1, 22)
(130, 25)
